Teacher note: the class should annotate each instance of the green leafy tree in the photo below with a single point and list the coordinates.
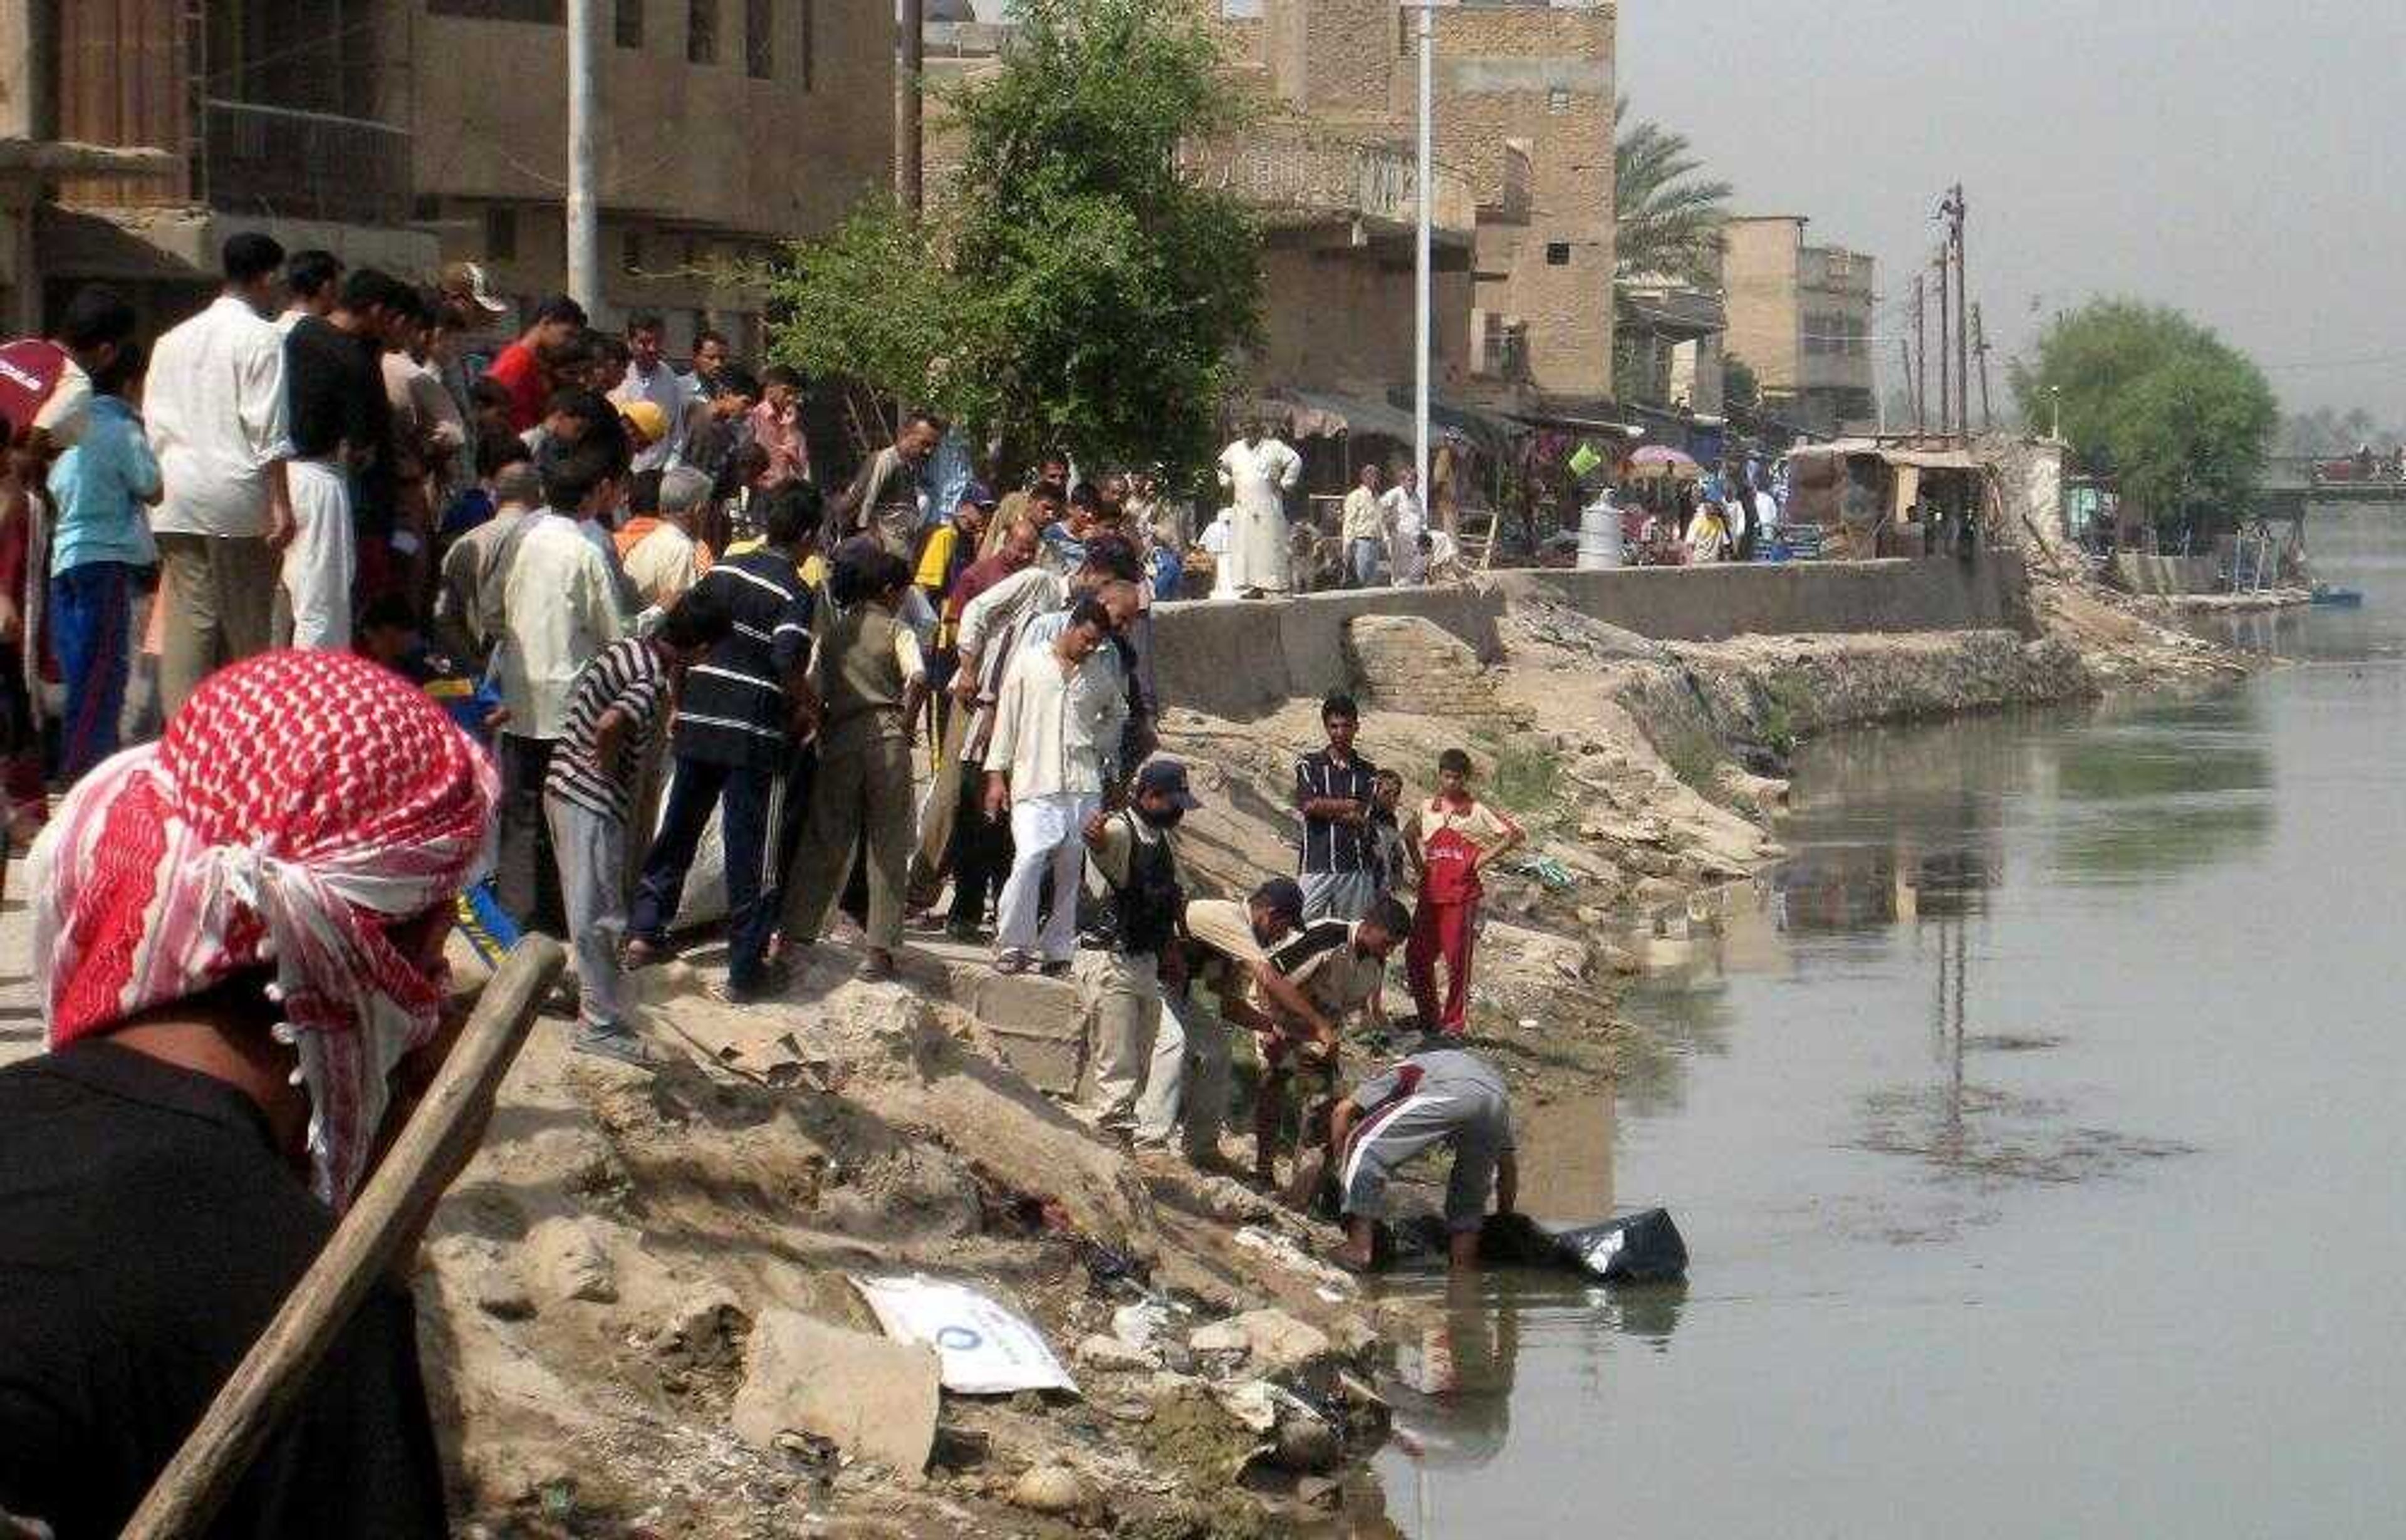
(2178, 417)
(1740, 390)
(1667, 219)
(1072, 284)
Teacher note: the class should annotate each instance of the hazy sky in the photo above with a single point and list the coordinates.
(2243, 160)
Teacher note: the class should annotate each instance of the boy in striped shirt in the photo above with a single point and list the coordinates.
(618, 700)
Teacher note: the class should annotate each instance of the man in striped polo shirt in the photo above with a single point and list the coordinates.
(737, 720)
(618, 700)
(1334, 790)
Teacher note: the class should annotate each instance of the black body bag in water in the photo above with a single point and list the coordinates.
(1640, 1248)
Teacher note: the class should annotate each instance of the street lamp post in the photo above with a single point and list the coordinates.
(2055, 400)
(1423, 297)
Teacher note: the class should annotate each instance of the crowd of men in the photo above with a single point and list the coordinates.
(601, 606)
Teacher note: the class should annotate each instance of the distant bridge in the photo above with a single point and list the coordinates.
(2291, 482)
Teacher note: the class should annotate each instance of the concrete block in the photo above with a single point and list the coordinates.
(1050, 1063)
(874, 1398)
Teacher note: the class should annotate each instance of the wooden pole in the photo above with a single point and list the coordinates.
(1980, 345)
(1920, 357)
(1945, 330)
(1962, 331)
(431, 1147)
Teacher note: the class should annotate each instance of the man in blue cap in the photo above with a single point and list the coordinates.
(1121, 979)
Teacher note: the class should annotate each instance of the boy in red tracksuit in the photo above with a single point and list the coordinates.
(1451, 837)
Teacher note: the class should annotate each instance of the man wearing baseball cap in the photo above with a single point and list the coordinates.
(1121, 977)
(1229, 955)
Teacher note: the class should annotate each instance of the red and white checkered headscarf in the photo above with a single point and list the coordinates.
(300, 804)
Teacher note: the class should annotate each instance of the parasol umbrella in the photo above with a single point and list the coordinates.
(1660, 459)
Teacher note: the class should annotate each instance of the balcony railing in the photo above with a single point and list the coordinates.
(304, 165)
(1371, 181)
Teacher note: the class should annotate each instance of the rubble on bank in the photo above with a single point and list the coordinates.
(614, 1283)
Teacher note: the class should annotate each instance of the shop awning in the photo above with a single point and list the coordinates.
(1325, 414)
(1490, 433)
(1898, 454)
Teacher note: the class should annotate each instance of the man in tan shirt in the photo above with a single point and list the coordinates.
(1187, 1084)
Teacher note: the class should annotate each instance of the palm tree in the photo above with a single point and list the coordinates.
(1668, 220)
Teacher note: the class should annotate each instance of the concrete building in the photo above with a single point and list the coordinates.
(1668, 347)
(1800, 317)
(1337, 198)
(1524, 111)
(406, 132)
(734, 125)
(1338, 271)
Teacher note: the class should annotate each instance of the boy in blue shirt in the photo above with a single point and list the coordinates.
(101, 555)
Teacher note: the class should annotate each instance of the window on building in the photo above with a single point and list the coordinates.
(759, 39)
(810, 40)
(545, 12)
(501, 233)
(1558, 100)
(629, 18)
(701, 31)
(1558, 253)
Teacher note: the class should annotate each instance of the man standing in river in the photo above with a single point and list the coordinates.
(1441, 1094)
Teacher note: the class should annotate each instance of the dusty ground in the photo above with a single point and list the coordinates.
(592, 1286)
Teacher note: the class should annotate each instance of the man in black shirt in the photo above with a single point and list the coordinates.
(122, 1317)
(237, 952)
(341, 422)
(1334, 790)
(736, 721)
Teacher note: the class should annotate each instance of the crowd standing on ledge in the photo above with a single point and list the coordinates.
(498, 649)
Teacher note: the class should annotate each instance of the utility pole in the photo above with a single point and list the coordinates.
(1905, 377)
(1945, 330)
(1421, 287)
(1920, 372)
(584, 159)
(1962, 309)
(910, 149)
(1980, 345)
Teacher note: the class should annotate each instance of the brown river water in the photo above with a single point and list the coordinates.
(2035, 1133)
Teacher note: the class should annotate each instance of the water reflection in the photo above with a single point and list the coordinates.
(2172, 788)
(1451, 1385)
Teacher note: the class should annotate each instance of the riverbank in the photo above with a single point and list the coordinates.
(601, 1281)
(614, 1294)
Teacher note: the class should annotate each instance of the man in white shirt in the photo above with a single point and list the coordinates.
(1365, 531)
(1407, 521)
(215, 405)
(1056, 725)
(559, 607)
(650, 378)
(1258, 472)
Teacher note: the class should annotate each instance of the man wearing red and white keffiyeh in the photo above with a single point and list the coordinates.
(306, 813)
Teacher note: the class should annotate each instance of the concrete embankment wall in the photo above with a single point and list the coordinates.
(2168, 575)
(1244, 658)
(1240, 658)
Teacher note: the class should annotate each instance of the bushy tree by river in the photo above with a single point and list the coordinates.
(1073, 282)
(2177, 417)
